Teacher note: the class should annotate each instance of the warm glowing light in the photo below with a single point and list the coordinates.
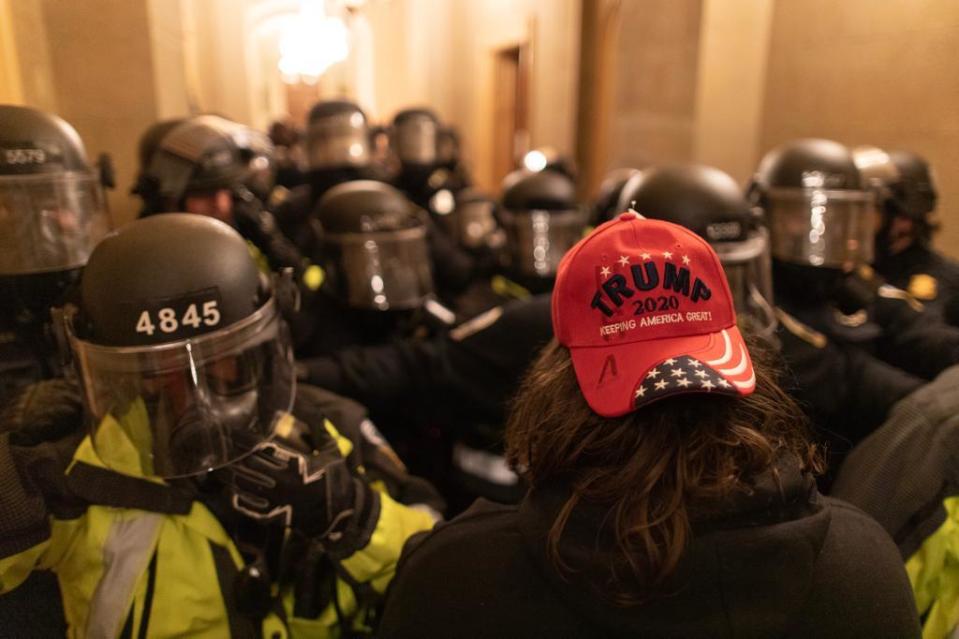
(535, 161)
(311, 43)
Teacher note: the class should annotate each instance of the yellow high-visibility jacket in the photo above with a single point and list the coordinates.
(131, 572)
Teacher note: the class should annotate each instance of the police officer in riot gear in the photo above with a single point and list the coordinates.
(821, 217)
(709, 203)
(203, 165)
(845, 390)
(541, 219)
(904, 256)
(414, 137)
(337, 150)
(471, 220)
(266, 514)
(379, 276)
(52, 213)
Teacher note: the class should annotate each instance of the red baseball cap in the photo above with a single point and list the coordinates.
(645, 310)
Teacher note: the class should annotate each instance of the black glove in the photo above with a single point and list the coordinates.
(864, 289)
(313, 492)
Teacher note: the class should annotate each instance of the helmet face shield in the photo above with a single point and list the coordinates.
(415, 140)
(821, 227)
(338, 140)
(381, 270)
(747, 265)
(190, 406)
(50, 222)
(537, 240)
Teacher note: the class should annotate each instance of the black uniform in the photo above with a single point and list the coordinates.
(453, 389)
(929, 276)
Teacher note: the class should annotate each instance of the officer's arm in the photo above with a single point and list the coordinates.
(383, 378)
(916, 341)
(375, 563)
(872, 388)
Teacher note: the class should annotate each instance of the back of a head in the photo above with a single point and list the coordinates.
(646, 412)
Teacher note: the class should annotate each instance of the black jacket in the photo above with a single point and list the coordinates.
(774, 564)
(927, 274)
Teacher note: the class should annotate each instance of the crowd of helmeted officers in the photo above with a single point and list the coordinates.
(324, 386)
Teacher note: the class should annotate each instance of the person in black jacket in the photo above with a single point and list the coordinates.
(672, 490)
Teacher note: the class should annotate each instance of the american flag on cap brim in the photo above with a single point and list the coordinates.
(676, 375)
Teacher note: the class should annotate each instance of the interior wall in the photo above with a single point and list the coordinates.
(654, 111)
(731, 81)
(866, 72)
(478, 31)
(101, 72)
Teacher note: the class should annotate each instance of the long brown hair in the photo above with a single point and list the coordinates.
(645, 468)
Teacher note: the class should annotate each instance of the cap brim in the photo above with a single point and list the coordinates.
(618, 379)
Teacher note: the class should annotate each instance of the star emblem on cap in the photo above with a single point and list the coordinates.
(605, 271)
(623, 260)
(685, 374)
(686, 259)
(646, 256)
(667, 255)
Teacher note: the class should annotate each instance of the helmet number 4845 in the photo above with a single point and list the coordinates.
(166, 318)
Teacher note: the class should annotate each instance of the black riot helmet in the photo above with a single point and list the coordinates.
(903, 187)
(447, 147)
(337, 136)
(184, 359)
(198, 155)
(52, 209)
(471, 220)
(606, 205)
(414, 137)
(708, 202)
(819, 211)
(375, 249)
(917, 194)
(542, 220)
(258, 153)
